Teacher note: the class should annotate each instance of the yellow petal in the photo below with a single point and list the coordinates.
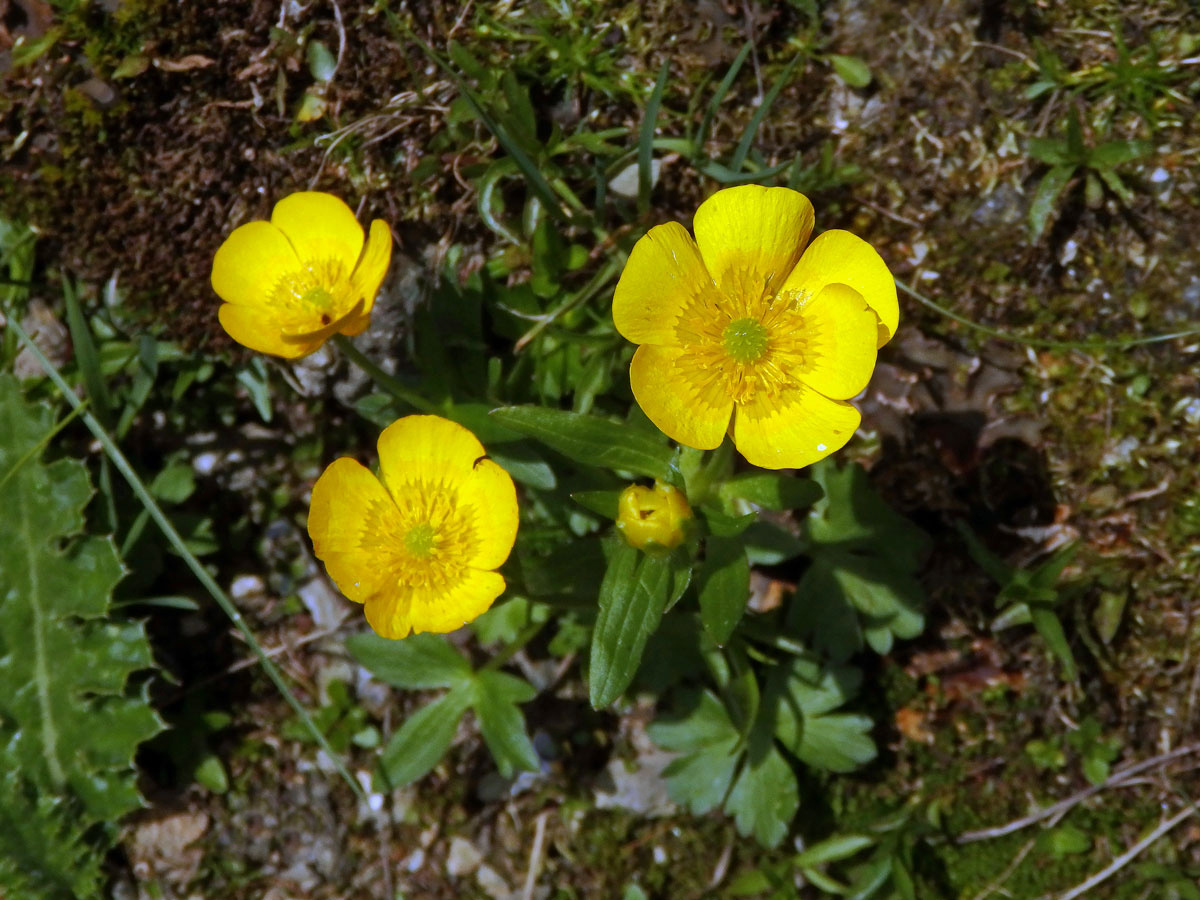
(751, 236)
(306, 333)
(839, 342)
(677, 398)
(663, 273)
(320, 227)
(388, 615)
(250, 262)
(355, 526)
(491, 492)
(427, 447)
(796, 429)
(372, 268)
(839, 257)
(356, 325)
(259, 329)
(418, 611)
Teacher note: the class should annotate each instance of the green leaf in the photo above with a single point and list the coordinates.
(767, 544)
(501, 722)
(1115, 184)
(852, 516)
(646, 139)
(1051, 151)
(418, 662)
(699, 729)
(838, 847)
(174, 484)
(1050, 628)
(851, 70)
(1114, 153)
(726, 526)
(1045, 198)
(777, 492)
(871, 877)
(723, 584)
(751, 130)
(720, 93)
(321, 63)
(1065, 840)
(423, 739)
(44, 854)
(632, 598)
(886, 599)
(69, 721)
(86, 357)
(1108, 613)
(27, 50)
(799, 701)
(604, 503)
(504, 621)
(591, 440)
(765, 797)
(839, 742)
(257, 383)
(524, 465)
(210, 773)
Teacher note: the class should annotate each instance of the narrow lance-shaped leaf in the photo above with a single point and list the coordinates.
(632, 598)
(423, 739)
(723, 582)
(591, 440)
(419, 662)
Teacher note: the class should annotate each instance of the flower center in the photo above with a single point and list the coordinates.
(745, 339)
(420, 540)
(318, 297)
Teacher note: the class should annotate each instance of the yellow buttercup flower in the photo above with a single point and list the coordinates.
(740, 324)
(291, 283)
(418, 545)
(655, 515)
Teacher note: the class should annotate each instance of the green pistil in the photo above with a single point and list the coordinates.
(318, 297)
(745, 340)
(420, 540)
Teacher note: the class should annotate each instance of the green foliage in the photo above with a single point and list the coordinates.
(340, 719)
(1068, 157)
(861, 585)
(70, 722)
(631, 602)
(43, 852)
(426, 661)
(592, 440)
(734, 754)
(1027, 596)
(1096, 753)
(1139, 79)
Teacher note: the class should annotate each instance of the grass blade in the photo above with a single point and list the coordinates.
(719, 97)
(173, 537)
(646, 140)
(537, 182)
(86, 356)
(743, 147)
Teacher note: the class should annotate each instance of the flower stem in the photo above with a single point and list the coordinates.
(382, 379)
